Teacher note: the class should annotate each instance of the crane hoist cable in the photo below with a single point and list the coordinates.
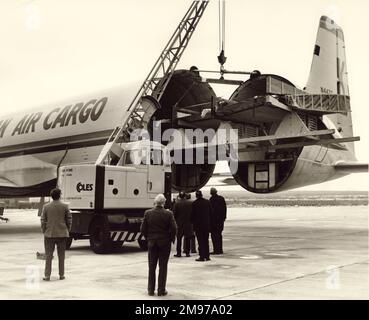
(222, 58)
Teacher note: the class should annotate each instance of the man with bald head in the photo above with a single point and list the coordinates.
(159, 229)
(217, 218)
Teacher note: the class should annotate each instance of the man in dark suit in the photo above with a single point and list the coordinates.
(182, 210)
(192, 233)
(56, 222)
(217, 218)
(159, 229)
(201, 211)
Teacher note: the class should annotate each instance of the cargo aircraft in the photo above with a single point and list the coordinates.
(287, 137)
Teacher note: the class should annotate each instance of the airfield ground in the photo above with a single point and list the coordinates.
(270, 253)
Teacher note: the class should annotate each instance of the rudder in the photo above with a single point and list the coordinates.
(328, 74)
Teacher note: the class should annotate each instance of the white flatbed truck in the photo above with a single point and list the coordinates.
(108, 201)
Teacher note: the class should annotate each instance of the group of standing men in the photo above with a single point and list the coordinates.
(201, 216)
(160, 227)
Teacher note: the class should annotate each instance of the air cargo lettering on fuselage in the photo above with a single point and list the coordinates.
(27, 123)
(3, 125)
(58, 117)
(78, 113)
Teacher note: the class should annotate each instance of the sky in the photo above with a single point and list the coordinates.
(52, 49)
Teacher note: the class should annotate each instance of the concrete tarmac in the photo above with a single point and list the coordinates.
(270, 253)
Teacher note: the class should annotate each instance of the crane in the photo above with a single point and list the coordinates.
(145, 102)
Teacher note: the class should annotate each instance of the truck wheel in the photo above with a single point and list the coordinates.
(100, 241)
(117, 245)
(69, 243)
(143, 244)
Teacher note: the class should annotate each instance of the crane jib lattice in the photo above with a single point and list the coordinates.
(140, 110)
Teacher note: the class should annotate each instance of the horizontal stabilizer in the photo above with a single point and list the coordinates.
(351, 167)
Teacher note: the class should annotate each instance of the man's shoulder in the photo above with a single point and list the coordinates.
(200, 202)
(166, 211)
(158, 210)
(57, 204)
(216, 197)
(61, 203)
(46, 205)
(188, 201)
(155, 209)
(183, 202)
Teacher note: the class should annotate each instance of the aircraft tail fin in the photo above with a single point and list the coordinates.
(328, 74)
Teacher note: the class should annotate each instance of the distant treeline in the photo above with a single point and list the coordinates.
(298, 198)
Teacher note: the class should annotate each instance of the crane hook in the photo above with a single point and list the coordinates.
(222, 58)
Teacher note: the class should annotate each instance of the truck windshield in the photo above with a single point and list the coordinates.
(156, 157)
(137, 157)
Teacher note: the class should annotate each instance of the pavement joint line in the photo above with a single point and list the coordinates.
(200, 296)
(301, 238)
(288, 280)
(342, 234)
(292, 238)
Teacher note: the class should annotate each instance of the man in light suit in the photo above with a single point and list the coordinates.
(56, 222)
